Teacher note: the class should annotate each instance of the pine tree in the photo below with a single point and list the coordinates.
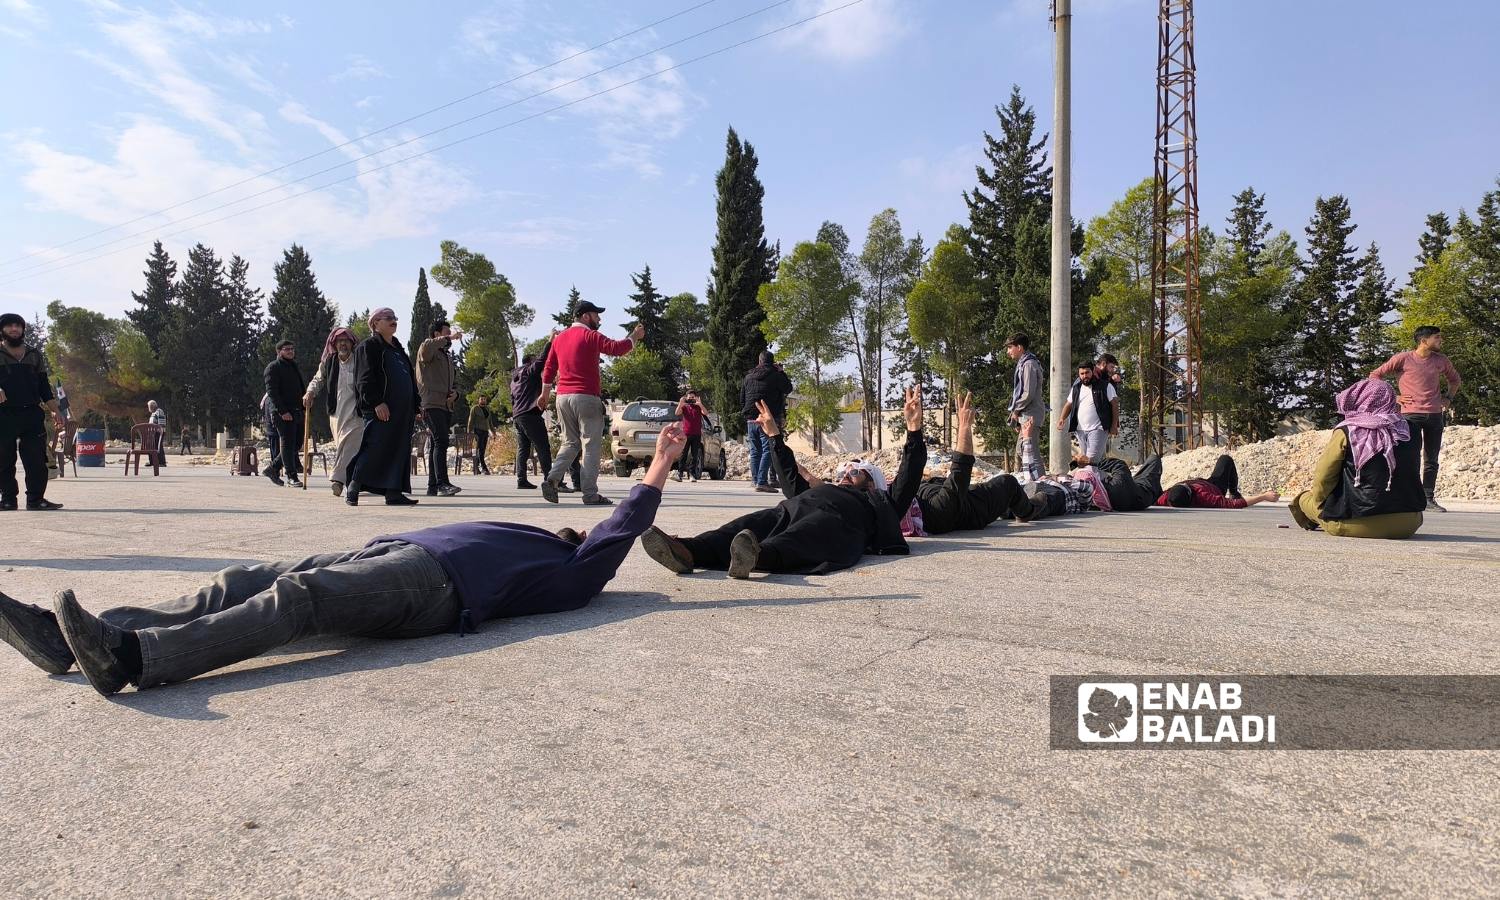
(298, 311)
(153, 315)
(1248, 228)
(1325, 308)
(422, 315)
(243, 316)
(1480, 306)
(742, 262)
(565, 318)
(648, 307)
(1433, 242)
(1373, 302)
(1017, 181)
(200, 343)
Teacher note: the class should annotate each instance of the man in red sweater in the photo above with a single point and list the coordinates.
(1221, 490)
(573, 367)
(1418, 390)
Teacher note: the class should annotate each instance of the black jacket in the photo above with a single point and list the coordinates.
(526, 383)
(370, 377)
(766, 383)
(25, 380)
(285, 386)
(888, 506)
(330, 371)
(1364, 493)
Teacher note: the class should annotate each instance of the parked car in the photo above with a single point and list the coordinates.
(634, 437)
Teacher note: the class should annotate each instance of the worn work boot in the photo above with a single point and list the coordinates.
(549, 491)
(744, 550)
(33, 631)
(671, 553)
(95, 645)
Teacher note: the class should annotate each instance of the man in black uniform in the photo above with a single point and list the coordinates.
(952, 504)
(819, 527)
(25, 389)
(284, 389)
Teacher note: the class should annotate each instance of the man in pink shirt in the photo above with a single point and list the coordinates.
(573, 367)
(1418, 374)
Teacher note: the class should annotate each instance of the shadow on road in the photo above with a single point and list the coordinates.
(190, 699)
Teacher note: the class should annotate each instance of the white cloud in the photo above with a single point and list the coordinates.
(947, 174)
(365, 102)
(360, 68)
(25, 11)
(484, 33)
(541, 233)
(848, 35)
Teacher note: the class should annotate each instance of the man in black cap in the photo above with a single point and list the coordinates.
(573, 366)
(25, 389)
(284, 389)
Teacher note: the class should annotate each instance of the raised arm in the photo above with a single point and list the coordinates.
(790, 475)
(913, 456)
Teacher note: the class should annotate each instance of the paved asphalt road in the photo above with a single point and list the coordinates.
(881, 731)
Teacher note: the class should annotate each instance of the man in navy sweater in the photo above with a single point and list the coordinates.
(416, 584)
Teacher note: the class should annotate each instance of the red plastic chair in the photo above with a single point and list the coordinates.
(145, 440)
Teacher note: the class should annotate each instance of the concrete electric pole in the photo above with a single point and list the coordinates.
(1061, 368)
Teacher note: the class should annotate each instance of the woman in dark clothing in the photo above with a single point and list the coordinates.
(387, 390)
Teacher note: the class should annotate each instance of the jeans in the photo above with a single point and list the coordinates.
(390, 590)
(440, 425)
(691, 461)
(760, 453)
(582, 418)
(22, 429)
(1430, 427)
(481, 444)
(290, 434)
(531, 435)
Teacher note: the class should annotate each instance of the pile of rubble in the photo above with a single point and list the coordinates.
(888, 459)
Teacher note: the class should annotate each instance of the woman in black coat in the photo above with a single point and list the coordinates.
(387, 388)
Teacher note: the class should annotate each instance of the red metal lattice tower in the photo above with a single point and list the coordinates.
(1173, 404)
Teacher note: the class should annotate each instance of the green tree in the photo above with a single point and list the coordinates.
(945, 312)
(806, 309)
(1248, 228)
(1438, 296)
(742, 263)
(154, 308)
(566, 317)
(1120, 242)
(1433, 242)
(422, 315)
(1015, 181)
(648, 308)
(1374, 302)
(634, 376)
(488, 314)
(686, 323)
(1325, 308)
(888, 265)
(241, 347)
(80, 351)
(359, 323)
(698, 365)
(201, 343)
(846, 273)
(298, 311)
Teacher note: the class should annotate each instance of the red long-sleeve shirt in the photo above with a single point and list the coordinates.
(1418, 380)
(1205, 496)
(573, 362)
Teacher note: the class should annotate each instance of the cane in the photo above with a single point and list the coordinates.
(306, 447)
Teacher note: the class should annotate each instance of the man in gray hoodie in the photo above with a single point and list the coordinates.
(1028, 408)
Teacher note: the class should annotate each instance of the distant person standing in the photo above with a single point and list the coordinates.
(155, 415)
(528, 400)
(1028, 408)
(335, 375)
(767, 383)
(481, 419)
(387, 389)
(691, 416)
(573, 366)
(273, 440)
(25, 390)
(1419, 373)
(1092, 412)
(187, 443)
(437, 384)
(285, 387)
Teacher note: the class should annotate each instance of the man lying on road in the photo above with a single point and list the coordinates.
(409, 585)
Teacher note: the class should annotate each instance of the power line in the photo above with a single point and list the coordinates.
(358, 159)
(369, 134)
(465, 139)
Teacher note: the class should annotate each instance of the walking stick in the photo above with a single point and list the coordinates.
(306, 447)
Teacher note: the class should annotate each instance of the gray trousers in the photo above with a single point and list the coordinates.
(391, 590)
(1093, 443)
(582, 420)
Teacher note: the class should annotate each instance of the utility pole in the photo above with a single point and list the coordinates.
(1061, 368)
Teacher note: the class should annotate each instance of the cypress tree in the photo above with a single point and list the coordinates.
(422, 315)
(1325, 308)
(153, 315)
(741, 264)
(565, 318)
(298, 311)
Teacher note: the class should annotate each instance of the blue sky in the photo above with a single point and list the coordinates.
(114, 110)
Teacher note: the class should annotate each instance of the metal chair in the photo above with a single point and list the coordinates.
(145, 440)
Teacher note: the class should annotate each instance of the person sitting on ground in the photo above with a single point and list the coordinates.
(409, 585)
(819, 527)
(1368, 482)
(1220, 490)
(952, 504)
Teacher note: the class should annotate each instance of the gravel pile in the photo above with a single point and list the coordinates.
(888, 459)
(1470, 463)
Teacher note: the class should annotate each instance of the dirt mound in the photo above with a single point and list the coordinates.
(888, 459)
(1470, 463)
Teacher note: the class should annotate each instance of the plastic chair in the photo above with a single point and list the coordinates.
(63, 449)
(463, 448)
(419, 451)
(319, 455)
(145, 440)
(244, 460)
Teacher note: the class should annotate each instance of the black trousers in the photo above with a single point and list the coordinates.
(1226, 477)
(818, 542)
(1049, 499)
(481, 443)
(691, 460)
(531, 436)
(290, 434)
(958, 506)
(440, 428)
(1430, 428)
(23, 430)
